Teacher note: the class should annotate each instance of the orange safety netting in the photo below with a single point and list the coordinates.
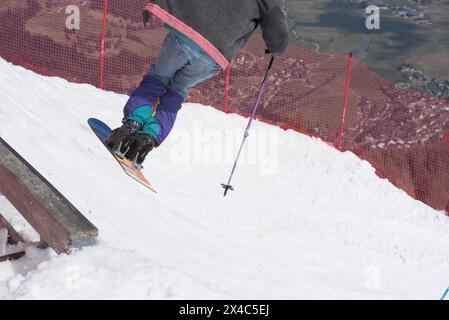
(402, 133)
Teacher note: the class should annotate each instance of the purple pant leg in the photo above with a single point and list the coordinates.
(166, 113)
(149, 90)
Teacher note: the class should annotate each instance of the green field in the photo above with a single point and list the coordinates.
(338, 27)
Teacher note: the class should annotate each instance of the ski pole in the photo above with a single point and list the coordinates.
(228, 186)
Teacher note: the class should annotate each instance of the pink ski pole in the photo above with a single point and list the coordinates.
(228, 186)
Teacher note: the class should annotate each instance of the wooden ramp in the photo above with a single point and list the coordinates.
(60, 225)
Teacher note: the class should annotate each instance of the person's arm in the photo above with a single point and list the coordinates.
(275, 30)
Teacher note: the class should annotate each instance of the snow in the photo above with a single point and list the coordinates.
(305, 220)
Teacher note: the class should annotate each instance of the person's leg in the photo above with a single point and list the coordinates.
(178, 89)
(153, 86)
(156, 128)
(139, 108)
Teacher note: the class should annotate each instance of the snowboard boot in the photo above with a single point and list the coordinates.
(139, 148)
(121, 138)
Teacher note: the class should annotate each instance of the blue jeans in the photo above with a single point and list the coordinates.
(159, 97)
(181, 67)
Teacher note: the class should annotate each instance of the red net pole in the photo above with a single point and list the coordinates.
(103, 33)
(226, 99)
(345, 105)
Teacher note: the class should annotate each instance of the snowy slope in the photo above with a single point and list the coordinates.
(305, 221)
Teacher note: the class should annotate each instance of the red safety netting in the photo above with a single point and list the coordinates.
(401, 132)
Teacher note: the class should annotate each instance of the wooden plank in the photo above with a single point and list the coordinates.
(13, 236)
(56, 220)
(12, 256)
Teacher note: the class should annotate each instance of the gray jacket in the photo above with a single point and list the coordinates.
(228, 24)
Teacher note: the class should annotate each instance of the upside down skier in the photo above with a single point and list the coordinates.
(204, 35)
